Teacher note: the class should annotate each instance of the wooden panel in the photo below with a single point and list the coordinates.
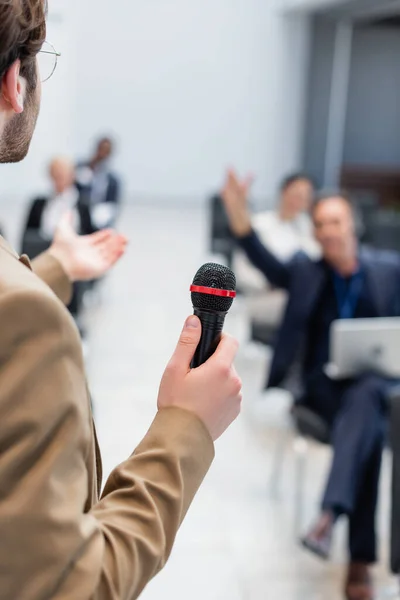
(382, 182)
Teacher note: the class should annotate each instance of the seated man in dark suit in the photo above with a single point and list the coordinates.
(347, 283)
(101, 185)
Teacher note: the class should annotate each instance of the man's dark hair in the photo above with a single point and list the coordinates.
(294, 178)
(325, 195)
(22, 33)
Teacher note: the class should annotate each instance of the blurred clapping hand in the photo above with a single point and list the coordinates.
(86, 257)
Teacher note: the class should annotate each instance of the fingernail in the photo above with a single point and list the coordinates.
(192, 323)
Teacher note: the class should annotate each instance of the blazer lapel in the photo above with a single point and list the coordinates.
(7, 248)
(307, 281)
(306, 288)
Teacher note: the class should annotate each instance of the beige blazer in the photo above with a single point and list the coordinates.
(57, 539)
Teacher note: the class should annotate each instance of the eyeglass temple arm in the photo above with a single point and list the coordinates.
(55, 53)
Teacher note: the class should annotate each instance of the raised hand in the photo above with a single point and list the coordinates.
(235, 193)
(86, 257)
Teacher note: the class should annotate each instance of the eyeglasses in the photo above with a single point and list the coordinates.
(47, 60)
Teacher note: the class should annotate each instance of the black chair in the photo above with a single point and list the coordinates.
(310, 427)
(34, 244)
(221, 239)
(307, 427)
(262, 333)
(384, 230)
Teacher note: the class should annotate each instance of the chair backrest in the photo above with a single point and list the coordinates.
(385, 230)
(221, 239)
(219, 220)
(33, 243)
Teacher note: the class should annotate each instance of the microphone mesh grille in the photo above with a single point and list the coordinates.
(218, 277)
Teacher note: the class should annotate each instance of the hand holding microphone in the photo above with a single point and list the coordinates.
(213, 390)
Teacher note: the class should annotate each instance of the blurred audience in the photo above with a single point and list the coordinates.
(102, 187)
(348, 282)
(284, 230)
(45, 212)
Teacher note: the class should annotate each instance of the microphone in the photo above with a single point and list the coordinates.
(213, 291)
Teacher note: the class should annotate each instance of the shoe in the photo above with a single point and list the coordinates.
(359, 583)
(319, 539)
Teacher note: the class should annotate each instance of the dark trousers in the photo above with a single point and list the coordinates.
(356, 411)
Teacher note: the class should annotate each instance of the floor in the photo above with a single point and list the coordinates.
(238, 543)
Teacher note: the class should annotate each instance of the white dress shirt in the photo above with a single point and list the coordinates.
(56, 207)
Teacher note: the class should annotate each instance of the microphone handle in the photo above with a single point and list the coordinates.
(212, 325)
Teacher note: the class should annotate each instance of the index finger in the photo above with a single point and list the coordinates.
(227, 349)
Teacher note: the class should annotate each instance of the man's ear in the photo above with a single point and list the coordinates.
(13, 88)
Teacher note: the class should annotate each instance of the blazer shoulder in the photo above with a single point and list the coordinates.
(17, 278)
(303, 260)
(30, 310)
(381, 258)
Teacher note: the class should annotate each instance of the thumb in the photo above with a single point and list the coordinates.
(187, 344)
(67, 218)
(64, 225)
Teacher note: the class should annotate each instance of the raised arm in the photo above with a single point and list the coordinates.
(235, 197)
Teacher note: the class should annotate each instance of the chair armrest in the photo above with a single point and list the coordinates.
(310, 425)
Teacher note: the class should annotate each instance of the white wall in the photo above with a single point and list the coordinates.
(190, 87)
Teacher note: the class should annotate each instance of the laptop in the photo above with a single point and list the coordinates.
(360, 345)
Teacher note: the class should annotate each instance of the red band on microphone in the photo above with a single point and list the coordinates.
(199, 289)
